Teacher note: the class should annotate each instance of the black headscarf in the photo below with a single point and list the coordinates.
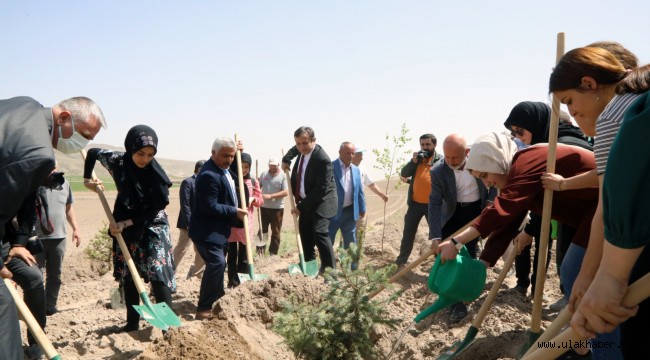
(148, 187)
(245, 158)
(536, 117)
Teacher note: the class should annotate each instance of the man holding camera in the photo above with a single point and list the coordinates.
(419, 190)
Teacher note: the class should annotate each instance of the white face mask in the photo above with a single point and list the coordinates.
(74, 143)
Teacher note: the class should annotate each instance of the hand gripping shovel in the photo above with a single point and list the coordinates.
(158, 315)
(249, 245)
(636, 293)
(308, 268)
(260, 242)
(33, 326)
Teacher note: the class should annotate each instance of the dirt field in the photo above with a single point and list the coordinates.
(84, 327)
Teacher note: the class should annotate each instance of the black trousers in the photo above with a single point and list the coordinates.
(414, 213)
(30, 279)
(314, 232)
(522, 264)
(463, 215)
(237, 262)
(10, 341)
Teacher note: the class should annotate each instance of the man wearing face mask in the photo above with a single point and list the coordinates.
(28, 132)
(456, 198)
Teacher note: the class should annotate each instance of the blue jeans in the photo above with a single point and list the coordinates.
(348, 227)
(569, 272)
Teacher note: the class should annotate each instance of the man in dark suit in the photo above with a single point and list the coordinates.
(456, 198)
(186, 195)
(351, 198)
(215, 211)
(312, 181)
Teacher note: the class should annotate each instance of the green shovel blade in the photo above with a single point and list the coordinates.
(251, 275)
(308, 268)
(158, 315)
(532, 338)
(456, 348)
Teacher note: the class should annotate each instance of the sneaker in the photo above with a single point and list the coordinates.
(33, 352)
(559, 305)
(458, 312)
(203, 315)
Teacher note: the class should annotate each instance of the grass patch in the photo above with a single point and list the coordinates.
(77, 184)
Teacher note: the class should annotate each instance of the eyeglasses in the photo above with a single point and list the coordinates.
(517, 132)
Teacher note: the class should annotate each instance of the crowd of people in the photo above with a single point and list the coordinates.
(493, 184)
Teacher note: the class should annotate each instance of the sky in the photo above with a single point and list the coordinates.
(352, 70)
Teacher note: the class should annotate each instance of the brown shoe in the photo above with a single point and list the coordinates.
(203, 315)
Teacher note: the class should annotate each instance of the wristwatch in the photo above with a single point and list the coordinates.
(457, 245)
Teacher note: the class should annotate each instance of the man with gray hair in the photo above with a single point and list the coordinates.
(28, 132)
(214, 213)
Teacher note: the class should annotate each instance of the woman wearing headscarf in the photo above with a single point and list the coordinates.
(139, 211)
(529, 122)
(518, 176)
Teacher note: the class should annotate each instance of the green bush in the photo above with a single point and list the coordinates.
(99, 250)
(342, 325)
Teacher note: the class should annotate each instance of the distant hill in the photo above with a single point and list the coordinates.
(73, 164)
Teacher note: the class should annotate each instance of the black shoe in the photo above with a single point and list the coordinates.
(33, 352)
(458, 312)
(129, 328)
(52, 311)
(520, 290)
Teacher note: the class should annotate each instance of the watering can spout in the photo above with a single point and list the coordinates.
(440, 304)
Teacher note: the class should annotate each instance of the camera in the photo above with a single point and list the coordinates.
(54, 181)
(424, 154)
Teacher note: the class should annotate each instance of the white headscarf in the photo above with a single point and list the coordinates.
(491, 153)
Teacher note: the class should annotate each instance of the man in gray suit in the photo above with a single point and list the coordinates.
(456, 198)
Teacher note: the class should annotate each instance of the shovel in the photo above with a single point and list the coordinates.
(308, 268)
(42, 340)
(158, 315)
(242, 202)
(535, 326)
(636, 293)
(458, 346)
(260, 242)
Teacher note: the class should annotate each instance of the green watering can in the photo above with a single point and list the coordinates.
(461, 279)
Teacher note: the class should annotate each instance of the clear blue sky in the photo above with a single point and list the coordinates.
(353, 70)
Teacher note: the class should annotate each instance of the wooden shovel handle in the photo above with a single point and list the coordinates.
(42, 340)
(292, 201)
(139, 285)
(548, 203)
(635, 294)
(244, 205)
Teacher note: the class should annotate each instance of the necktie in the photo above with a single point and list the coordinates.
(298, 180)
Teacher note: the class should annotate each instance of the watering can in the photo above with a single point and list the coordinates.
(461, 279)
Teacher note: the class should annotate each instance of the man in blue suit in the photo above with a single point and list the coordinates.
(214, 212)
(456, 198)
(351, 198)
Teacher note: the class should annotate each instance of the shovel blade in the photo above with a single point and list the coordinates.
(158, 315)
(307, 268)
(251, 275)
(457, 347)
(532, 338)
